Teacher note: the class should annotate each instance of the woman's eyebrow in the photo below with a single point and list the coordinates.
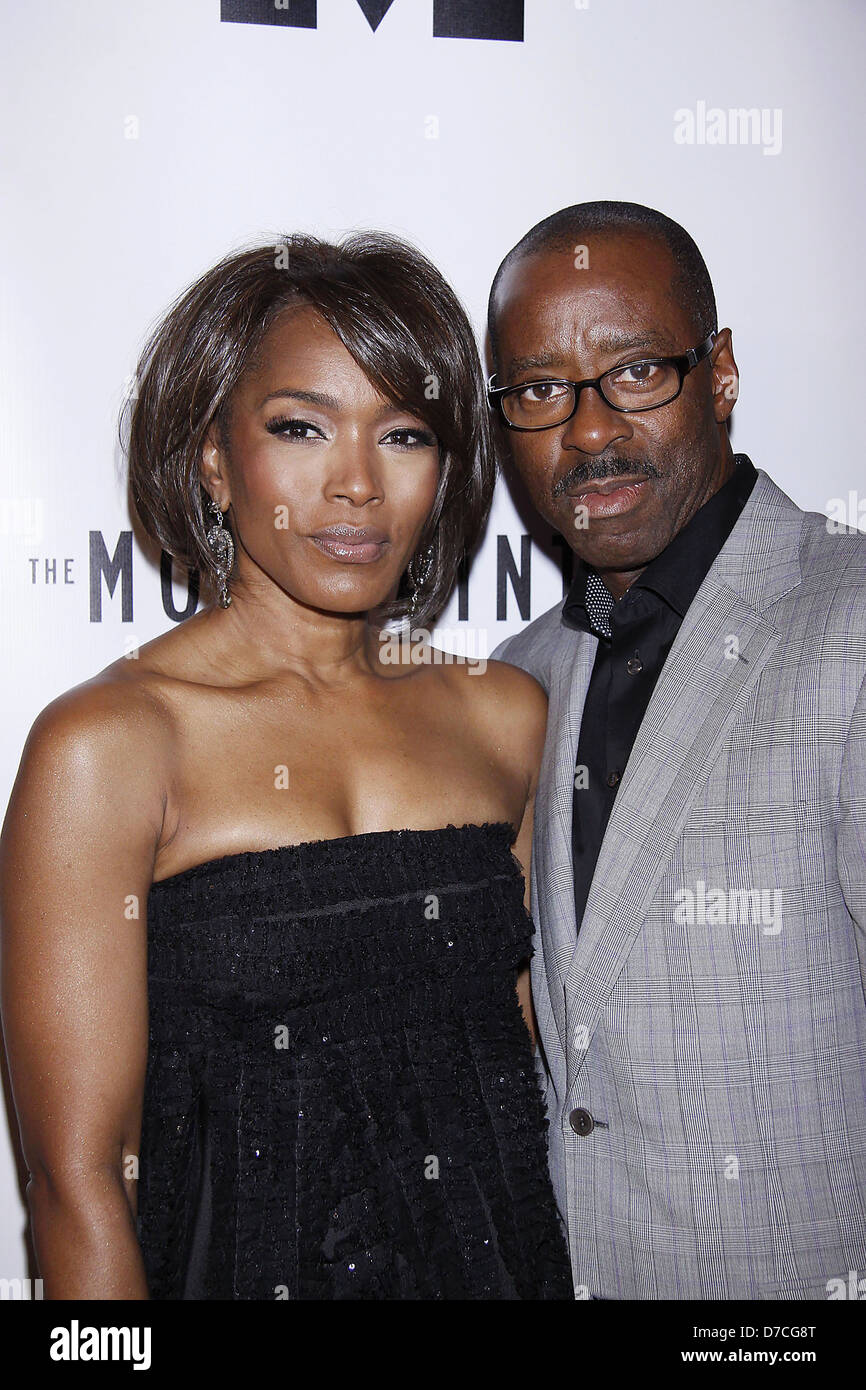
(311, 397)
(331, 402)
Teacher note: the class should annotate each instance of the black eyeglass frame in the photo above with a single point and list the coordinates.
(683, 363)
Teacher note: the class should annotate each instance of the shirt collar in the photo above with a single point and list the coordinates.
(678, 572)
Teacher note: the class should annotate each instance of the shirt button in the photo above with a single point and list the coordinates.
(634, 664)
(581, 1121)
(613, 778)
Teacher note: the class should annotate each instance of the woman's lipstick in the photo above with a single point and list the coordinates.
(352, 545)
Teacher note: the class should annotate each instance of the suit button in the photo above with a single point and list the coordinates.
(581, 1121)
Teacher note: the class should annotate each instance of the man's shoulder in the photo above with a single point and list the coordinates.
(832, 564)
(806, 572)
(822, 538)
(829, 546)
(833, 593)
(533, 648)
(807, 557)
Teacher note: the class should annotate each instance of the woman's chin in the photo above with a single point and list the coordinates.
(343, 605)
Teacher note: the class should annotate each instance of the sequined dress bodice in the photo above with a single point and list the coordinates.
(340, 1098)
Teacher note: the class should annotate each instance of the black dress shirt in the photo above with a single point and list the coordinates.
(635, 635)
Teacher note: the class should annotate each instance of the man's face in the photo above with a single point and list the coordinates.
(554, 320)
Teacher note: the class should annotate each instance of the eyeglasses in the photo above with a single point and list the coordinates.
(643, 385)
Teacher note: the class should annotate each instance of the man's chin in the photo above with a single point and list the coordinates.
(626, 553)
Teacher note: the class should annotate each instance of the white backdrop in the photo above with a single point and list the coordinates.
(140, 143)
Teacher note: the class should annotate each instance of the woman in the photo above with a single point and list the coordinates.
(262, 918)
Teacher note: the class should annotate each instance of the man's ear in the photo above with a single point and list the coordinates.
(726, 378)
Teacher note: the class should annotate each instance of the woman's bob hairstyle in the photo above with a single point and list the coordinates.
(403, 325)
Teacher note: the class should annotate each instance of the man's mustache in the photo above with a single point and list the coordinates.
(598, 470)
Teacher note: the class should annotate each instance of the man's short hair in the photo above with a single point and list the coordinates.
(569, 227)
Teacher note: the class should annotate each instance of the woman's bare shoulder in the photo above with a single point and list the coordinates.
(500, 690)
(134, 698)
(117, 738)
(112, 735)
(121, 701)
(507, 707)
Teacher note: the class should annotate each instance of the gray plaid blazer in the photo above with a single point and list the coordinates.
(711, 1015)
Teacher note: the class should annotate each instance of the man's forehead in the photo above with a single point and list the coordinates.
(617, 252)
(555, 348)
(546, 307)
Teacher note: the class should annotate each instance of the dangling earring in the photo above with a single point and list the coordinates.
(418, 580)
(222, 547)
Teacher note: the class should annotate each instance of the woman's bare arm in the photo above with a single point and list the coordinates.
(523, 852)
(76, 861)
(522, 718)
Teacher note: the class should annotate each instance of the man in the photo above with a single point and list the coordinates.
(699, 863)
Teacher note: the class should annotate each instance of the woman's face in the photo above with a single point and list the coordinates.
(329, 482)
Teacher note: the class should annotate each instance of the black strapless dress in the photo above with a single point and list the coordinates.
(340, 1100)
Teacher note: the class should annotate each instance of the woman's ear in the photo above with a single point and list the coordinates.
(212, 470)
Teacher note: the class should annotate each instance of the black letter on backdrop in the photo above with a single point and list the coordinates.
(452, 19)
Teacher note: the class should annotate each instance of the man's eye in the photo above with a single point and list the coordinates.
(636, 373)
(293, 428)
(542, 392)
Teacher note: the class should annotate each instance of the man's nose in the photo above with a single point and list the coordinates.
(594, 425)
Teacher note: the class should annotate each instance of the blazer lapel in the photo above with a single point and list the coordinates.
(699, 693)
(552, 871)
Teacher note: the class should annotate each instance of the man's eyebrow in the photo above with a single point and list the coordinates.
(603, 340)
(529, 364)
(311, 397)
(608, 340)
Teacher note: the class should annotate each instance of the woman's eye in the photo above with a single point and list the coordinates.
(293, 429)
(411, 439)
